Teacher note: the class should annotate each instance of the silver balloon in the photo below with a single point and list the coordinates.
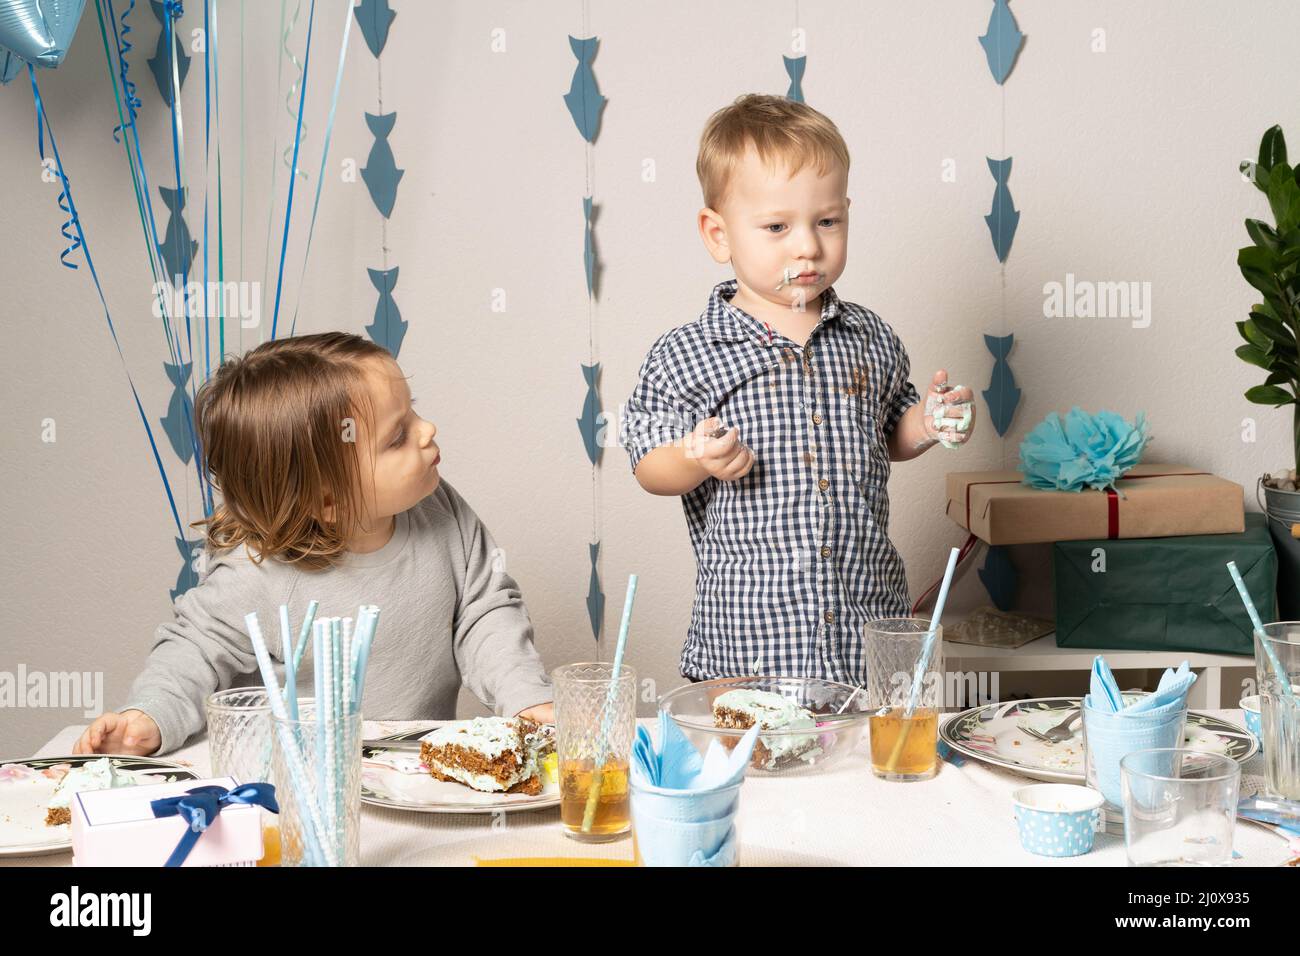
(38, 31)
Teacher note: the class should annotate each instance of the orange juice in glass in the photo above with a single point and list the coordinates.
(595, 723)
(904, 725)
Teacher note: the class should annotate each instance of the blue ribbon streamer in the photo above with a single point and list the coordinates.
(297, 140)
(124, 46)
(43, 125)
(325, 151)
(201, 806)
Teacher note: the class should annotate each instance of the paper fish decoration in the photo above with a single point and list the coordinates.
(583, 99)
(1000, 578)
(589, 245)
(177, 248)
(380, 172)
(39, 31)
(374, 17)
(590, 422)
(179, 423)
(794, 65)
(160, 63)
(387, 329)
(1003, 217)
(1001, 41)
(188, 577)
(595, 596)
(1002, 396)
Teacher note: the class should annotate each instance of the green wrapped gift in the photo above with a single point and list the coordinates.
(1157, 593)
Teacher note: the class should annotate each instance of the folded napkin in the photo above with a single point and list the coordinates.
(684, 804)
(1111, 731)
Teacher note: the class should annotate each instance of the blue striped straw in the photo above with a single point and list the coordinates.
(369, 622)
(304, 634)
(1264, 640)
(316, 843)
(290, 670)
(602, 743)
(927, 649)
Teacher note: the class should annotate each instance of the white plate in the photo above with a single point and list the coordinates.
(396, 779)
(27, 785)
(992, 734)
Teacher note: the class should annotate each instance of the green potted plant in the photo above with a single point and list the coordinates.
(1272, 266)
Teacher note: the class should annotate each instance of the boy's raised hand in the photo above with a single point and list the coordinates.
(130, 732)
(949, 412)
(725, 457)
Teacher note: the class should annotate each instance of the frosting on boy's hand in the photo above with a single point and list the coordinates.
(719, 450)
(949, 412)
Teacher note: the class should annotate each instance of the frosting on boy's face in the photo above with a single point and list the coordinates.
(401, 449)
(785, 236)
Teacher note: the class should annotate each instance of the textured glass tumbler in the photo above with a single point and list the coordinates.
(239, 734)
(1279, 712)
(319, 766)
(595, 723)
(1180, 807)
(904, 746)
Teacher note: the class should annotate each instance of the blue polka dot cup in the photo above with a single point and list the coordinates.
(1057, 819)
(1250, 707)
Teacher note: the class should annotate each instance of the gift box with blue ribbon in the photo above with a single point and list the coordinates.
(215, 822)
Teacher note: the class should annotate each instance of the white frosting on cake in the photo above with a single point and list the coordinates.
(92, 775)
(491, 737)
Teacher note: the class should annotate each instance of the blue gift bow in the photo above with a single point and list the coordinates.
(199, 808)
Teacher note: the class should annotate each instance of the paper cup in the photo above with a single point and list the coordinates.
(1057, 819)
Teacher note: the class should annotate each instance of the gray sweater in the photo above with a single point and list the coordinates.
(448, 613)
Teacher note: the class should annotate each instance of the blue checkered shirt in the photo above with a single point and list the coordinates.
(793, 559)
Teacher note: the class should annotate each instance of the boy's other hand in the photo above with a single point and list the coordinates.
(541, 713)
(130, 732)
(725, 458)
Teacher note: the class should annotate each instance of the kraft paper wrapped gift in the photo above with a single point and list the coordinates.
(118, 828)
(1158, 593)
(1158, 501)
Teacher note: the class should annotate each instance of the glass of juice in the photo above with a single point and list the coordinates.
(904, 724)
(595, 723)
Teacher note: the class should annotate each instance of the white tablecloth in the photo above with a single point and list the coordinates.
(845, 816)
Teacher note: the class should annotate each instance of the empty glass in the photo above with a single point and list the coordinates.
(1180, 807)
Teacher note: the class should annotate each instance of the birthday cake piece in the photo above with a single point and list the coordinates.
(490, 754)
(741, 709)
(91, 775)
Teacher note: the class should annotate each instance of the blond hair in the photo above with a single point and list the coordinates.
(273, 425)
(780, 130)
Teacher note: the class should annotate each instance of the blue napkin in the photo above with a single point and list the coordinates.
(684, 804)
(1170, 694)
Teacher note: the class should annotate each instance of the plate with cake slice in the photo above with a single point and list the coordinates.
(481, 765)
(36, 795)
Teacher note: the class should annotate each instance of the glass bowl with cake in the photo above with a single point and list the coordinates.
(806, 724)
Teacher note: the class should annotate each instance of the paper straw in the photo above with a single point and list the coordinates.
(923, 662)
(348, 665)
(316, 843)
(290, 669)
(303, 634)
(602, 743)
(848, 700)
(1264, 641)
(370, 620)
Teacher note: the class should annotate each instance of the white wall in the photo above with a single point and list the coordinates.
(1125, 169)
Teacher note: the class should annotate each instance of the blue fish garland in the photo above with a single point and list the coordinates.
(1003, 217)
(178, 422)
(177, 249)
(380, 172)
(1001, 41)
(387, 329)
(160, 63)
(1001, 396)
(583, 99)
(1000, 578)
(589, 423)
(374, 17)
(794, 66)
(589, 244)
(595, 596)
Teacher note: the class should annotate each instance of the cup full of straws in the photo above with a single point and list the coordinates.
(317, 740)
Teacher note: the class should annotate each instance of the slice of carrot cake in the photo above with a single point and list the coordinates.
(490, 754)
(741, 709)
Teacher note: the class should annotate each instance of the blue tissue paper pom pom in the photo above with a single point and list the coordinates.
(1083, 451)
